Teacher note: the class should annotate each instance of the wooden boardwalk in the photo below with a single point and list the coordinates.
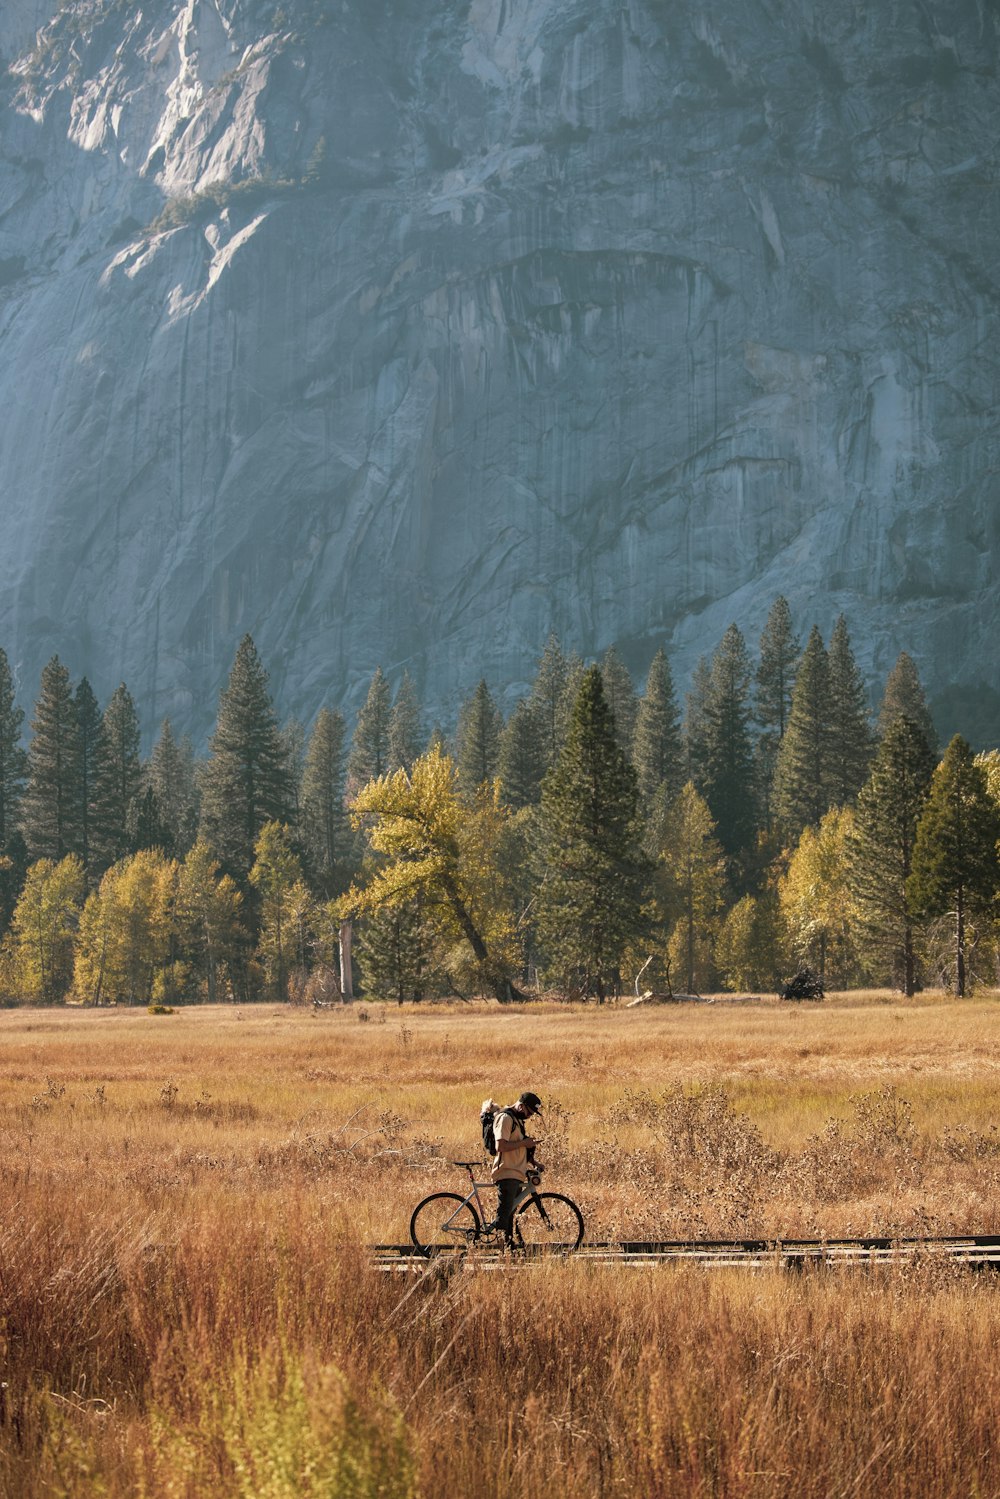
(977, 1251)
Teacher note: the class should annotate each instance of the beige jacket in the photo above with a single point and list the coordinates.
(509, 1165)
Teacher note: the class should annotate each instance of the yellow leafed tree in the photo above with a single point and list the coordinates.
(44, 927)
(816, 900)
(126, 929)
(433, 845)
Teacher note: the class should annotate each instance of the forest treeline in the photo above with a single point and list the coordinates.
(595, 840)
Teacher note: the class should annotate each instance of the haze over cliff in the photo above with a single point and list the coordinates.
(404, 333)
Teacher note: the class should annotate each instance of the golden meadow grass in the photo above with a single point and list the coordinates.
(186, 1308)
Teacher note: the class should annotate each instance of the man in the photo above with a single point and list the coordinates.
(510, 1164)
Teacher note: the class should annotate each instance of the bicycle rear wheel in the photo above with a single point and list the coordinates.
(441, 1221)
(549, 1222)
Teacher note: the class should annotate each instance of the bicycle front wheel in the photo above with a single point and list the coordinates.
(548, 1221)
(441, 1220)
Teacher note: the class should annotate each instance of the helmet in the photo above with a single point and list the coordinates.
(531, 1102)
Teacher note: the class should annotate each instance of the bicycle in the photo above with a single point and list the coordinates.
(544, 1222)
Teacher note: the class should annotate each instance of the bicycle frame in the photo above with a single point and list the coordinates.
(528, 1190)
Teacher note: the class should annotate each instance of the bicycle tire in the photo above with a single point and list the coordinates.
(426, 1231)
(550, 1223)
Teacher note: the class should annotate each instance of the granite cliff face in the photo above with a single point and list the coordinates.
(403, 333)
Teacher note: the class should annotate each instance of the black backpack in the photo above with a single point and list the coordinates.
(487, 1120)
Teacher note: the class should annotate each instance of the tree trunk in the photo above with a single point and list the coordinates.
(346, 966)
(909, 965)
(960, 948)
(503, 989)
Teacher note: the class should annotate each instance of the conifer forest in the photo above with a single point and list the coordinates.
(598, 841)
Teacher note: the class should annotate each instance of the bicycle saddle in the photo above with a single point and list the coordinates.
(470, 1164)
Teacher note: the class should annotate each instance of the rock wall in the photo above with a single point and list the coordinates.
(402, 333)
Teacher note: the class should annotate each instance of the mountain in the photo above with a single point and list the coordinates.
(404, 333)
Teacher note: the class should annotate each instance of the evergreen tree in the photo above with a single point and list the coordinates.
(520, 764)
(802, 776)
(145, 826)
(171, 776)
(657, 750)
(50, 809)
(904, 698)
(396, 951)
(13, 760)
(547, 699)
(90, 757)
(369, 757)
(696, 725)
(849, 728)
(728, 770)
(118, 774)
(13, 773)
(593, 875)
(293, 740)
(324, 822)
(779, 652)
(620, 694)
(956, 866)
(245, 779)
(480, 725)
(881, 850)
(405, 741)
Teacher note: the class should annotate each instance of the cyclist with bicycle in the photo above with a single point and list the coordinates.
(514, 1155)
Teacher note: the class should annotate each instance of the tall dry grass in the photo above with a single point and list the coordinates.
(186, 1308)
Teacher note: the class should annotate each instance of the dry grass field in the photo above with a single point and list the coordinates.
(186, 1308)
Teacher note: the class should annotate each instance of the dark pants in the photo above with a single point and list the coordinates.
(508, 1191)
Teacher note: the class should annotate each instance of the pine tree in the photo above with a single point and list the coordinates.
(695, 732)
(802, 776)
(171, 776)
(547, 699)
(620, 694)
(519, 759)
(293, 741)
(881, 850)
(657, 749)
(145, 826)
(324, 821)
(904, 698)
(369, 757)
(118, 774)
(50, 809)
(480, 725)
(956, 866)
(728, 770)
(90, 756)
(779, 652)
(849, 727)
(245, 779)
(396, 952)
(405, 740)
(593, 874)
(13, 760)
